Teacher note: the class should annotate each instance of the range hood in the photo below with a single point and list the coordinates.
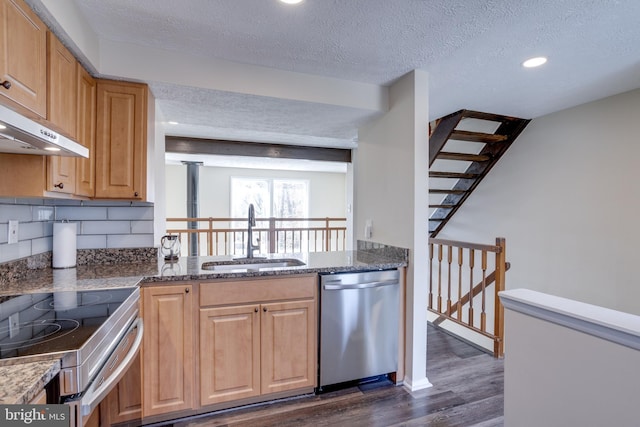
(20, 135)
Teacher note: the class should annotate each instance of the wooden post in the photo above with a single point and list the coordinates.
(430, 305)
(472, 256)
(498, 346)
(328, 235)
(440, 278)
(272, 235)
(449, 260)
(210, 237)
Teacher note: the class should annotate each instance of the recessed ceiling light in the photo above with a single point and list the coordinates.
(534, 62)
(171, 122)
(291, 1)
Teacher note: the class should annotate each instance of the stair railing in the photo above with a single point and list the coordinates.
(455, 295)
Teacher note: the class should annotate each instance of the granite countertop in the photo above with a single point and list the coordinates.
(190, 268)
(88, 277)
(22, 382)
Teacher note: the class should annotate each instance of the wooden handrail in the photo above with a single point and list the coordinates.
(466, 245)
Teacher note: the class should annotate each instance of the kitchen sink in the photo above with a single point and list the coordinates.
(255, 264)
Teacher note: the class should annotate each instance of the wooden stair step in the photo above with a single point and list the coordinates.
(454, 175)
(445, 155)
(445, 191)
(488, 138)
(470, 114)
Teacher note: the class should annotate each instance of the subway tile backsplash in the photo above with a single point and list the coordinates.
(101, 224)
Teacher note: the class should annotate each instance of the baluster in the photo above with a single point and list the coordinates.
(472, 256)
(483, 315)
(439, 278)
(449, 260)
(460, 260)
(285, 241)
(431, 275)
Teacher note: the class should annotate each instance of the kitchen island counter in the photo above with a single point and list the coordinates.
(92, 277)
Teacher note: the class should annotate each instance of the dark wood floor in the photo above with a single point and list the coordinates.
(467, 391)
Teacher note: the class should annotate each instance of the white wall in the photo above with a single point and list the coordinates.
(567, 365)
(391, 190)
(566, 197)
(326, 190)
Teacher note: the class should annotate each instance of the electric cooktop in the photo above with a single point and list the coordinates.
(41, 323)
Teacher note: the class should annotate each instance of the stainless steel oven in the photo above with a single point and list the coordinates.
(97, 335)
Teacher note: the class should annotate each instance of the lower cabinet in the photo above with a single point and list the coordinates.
(229, 353)
(260, 347)
(288, 346)
(254, 339)
(167, 349)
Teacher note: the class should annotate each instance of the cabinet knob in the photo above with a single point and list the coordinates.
(186, 290)
(6, 84)
(264, 309)
(135, 194)
(60, 185)
(255, 309)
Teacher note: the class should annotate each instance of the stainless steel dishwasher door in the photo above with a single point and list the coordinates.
(359, 315)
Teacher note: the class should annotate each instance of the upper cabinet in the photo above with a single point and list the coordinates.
(40, 78)
(121, 140)
(23, 57)
(86, 133)
(62, 87)
(62, 101)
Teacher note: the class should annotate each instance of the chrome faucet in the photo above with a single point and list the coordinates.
(251, 223)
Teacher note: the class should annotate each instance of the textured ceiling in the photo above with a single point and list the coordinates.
(472, 50)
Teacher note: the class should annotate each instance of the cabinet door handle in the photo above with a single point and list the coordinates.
(186, 290)
(60, 185)
(264, 309)
(135, 194)
(255, 309)
(6, 84)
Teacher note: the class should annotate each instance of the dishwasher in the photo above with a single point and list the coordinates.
(359, 320)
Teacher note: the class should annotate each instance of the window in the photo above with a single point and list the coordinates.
(280, 198)
(277, 198)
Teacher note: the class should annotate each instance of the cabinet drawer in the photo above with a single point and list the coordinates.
(258, 290)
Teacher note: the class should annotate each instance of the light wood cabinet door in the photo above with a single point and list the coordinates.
(229, 353)
(168, 349)
(62, 101)
(121, 140)
(62, 87)
(288, 335)
(86, 133)
(61, 174)
(23, 56)
(124, 402)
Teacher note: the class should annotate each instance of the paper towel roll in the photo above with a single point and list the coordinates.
(64, 244)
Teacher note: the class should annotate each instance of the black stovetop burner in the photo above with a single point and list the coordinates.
(54, 322)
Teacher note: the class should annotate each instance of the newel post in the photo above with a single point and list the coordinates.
(501, 256)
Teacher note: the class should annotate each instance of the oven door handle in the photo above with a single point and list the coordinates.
(93, 397)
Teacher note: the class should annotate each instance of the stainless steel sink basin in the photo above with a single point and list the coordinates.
(254, 264)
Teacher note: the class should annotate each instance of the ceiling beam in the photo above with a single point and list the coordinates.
(184, 145)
